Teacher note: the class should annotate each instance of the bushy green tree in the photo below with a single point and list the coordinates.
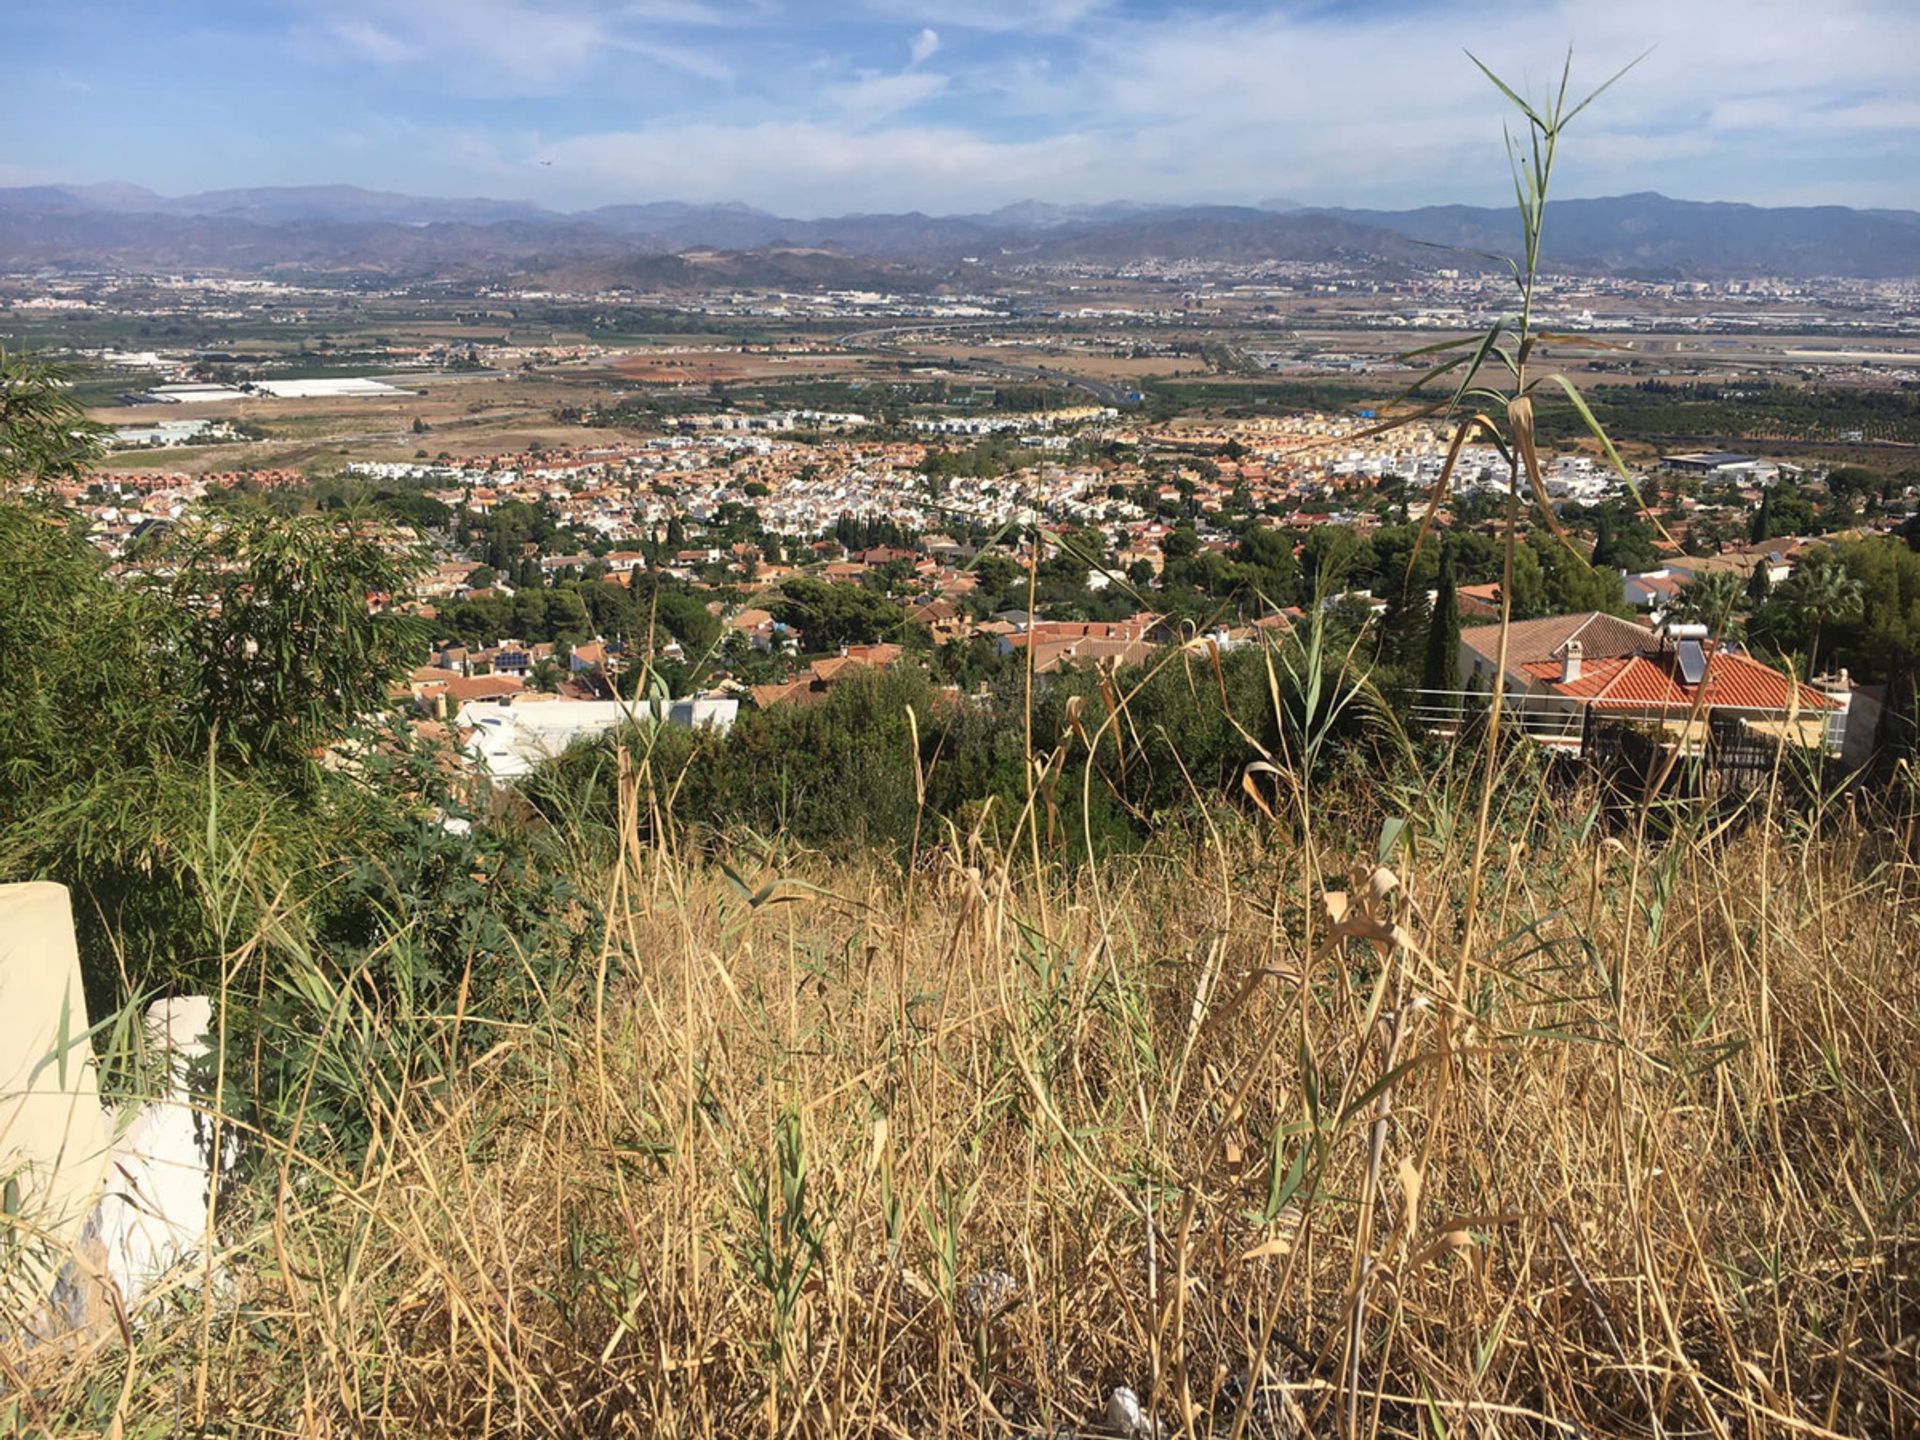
(1854, 482)
(419, 510)
(153, 733)
(1331, 558)
(1783, 511)
(830, 615)
(1819, 596)
(1403, 631)
(1874, 638)
(96, 677)
(289, 641)
(994, 570)
(44, 431)
(1623, 540)
(1569, 585)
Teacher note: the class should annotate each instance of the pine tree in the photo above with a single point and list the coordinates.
(1441, 670)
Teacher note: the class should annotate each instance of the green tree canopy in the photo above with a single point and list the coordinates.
(1878, 637)
(831, 615)
(44, 431)
(1569, 584)
(290, 640)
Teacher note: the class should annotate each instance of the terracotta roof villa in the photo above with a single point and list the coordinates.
(1562, 667)
(1731, 681)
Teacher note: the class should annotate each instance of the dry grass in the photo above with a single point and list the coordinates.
(1650, 1170)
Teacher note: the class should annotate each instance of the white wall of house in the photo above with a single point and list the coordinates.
(510, 740)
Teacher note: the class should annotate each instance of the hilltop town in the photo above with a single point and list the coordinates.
(758, 557)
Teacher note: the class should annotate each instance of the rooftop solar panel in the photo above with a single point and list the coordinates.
(1693, 661)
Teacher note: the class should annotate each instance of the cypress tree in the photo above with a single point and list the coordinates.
(1403, 628)
(1900, 716)
(1603, 544)
(1442, 668)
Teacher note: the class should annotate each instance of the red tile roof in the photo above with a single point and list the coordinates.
(463, 688)
(1736, 682)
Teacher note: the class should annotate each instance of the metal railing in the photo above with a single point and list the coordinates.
(1565, 724)
(1549, 719)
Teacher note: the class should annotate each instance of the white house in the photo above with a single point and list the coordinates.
(508, 741)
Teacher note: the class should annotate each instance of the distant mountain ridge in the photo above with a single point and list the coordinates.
(344, 227)
(1649, 233)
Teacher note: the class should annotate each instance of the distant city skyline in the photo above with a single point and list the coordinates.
(947, 107)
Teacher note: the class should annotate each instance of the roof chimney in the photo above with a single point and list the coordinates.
(1570, 658)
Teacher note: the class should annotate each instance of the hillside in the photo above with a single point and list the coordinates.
(775, 266)
(342, 227)
(1650, 234)
(936, 1143)
(1184, 1048)
(1234, 235)
(34, 236)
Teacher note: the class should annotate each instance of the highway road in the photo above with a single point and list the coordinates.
(1106, 394)
(860, 337)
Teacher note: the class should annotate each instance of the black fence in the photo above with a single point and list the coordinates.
(1633, 755)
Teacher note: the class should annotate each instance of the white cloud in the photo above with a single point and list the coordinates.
(1360, 107)
(817, 109)
(1806, 114)
(811, 168)
(685, 12)
(371, 42)
(1320, 103)
(512, 47)
(876, 97)
(683, 58)
(1029, 16)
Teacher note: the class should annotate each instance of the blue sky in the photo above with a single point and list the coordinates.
(956, 105)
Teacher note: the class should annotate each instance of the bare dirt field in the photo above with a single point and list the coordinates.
(1095, 364)
(730, 367)
(464, 415)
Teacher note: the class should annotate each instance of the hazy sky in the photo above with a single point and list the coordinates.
(953, 105)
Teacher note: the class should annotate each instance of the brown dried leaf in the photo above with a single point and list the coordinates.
(1520, 417)
(1410, 1184)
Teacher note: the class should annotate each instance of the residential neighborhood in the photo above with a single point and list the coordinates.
(774, 561)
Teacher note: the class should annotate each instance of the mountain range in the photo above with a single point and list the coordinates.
(343, 228)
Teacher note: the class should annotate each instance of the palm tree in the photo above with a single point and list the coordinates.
(1821, 592)
(546, 675)
(1711, 600)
